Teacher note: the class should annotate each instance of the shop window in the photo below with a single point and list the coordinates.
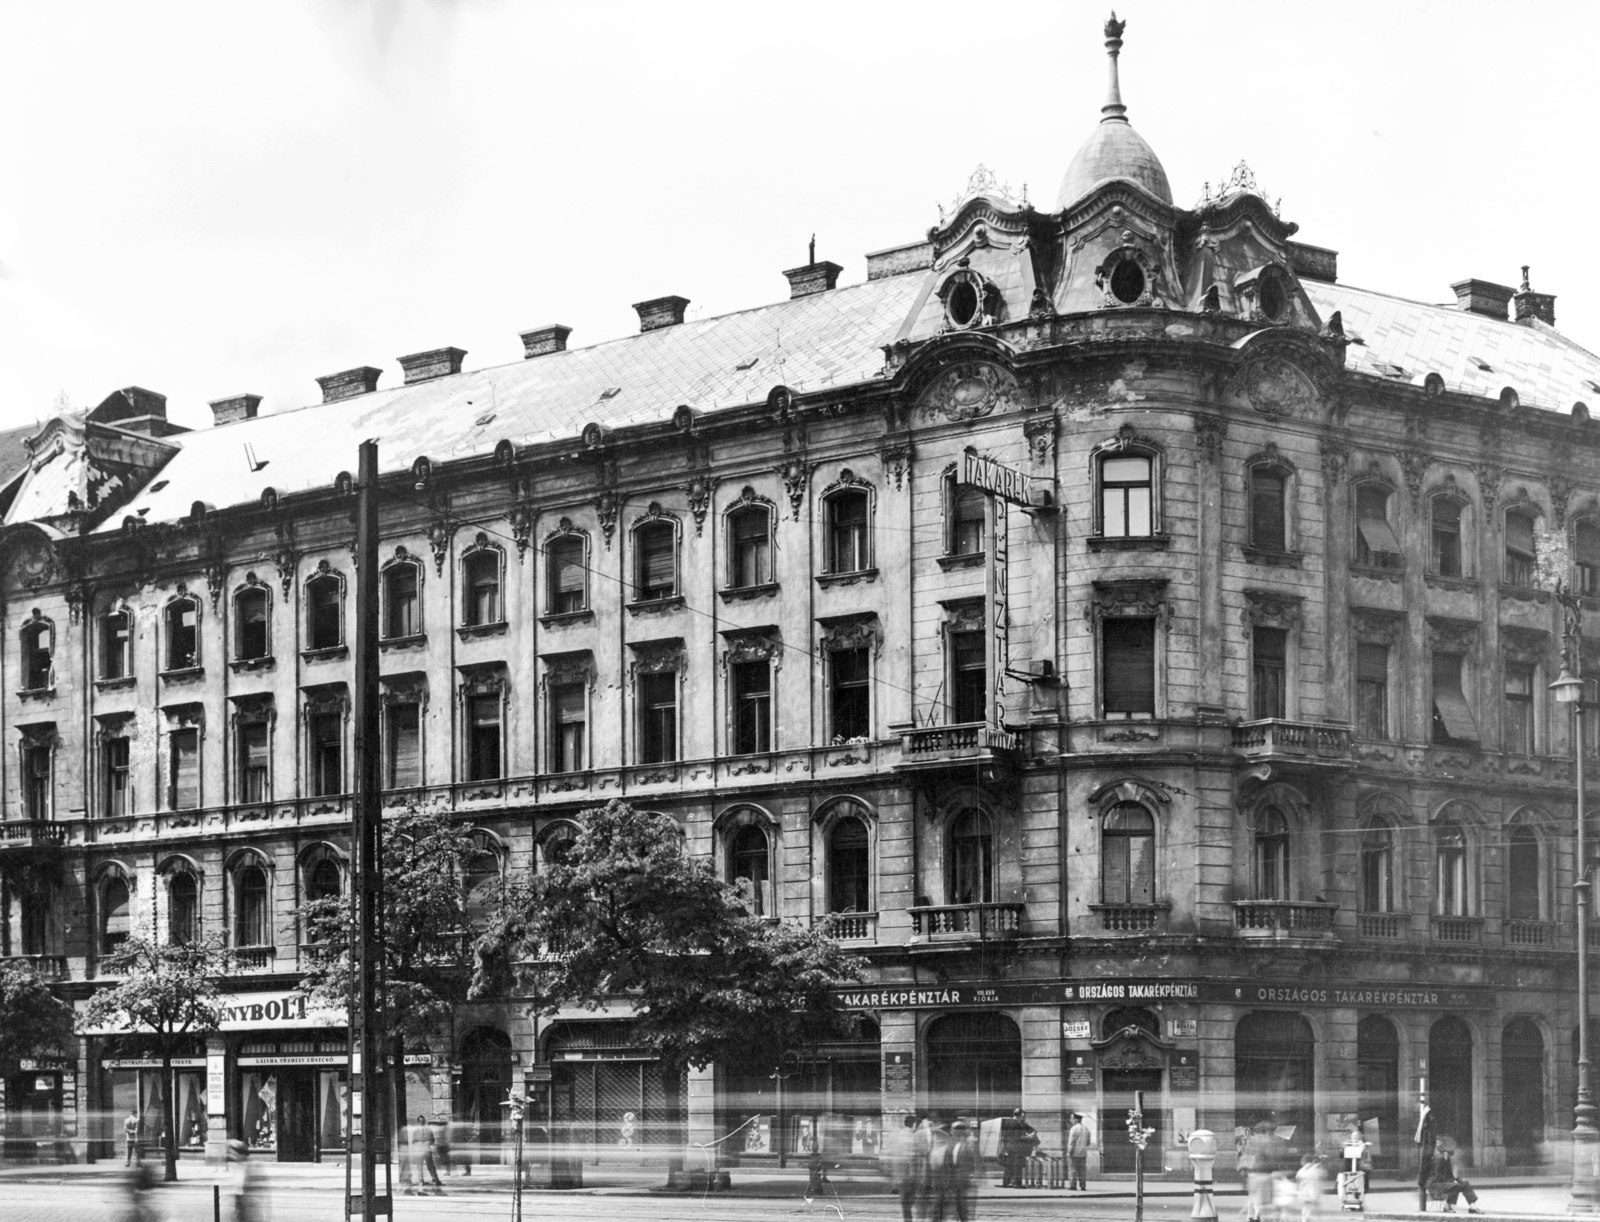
(1269, 650)
(183, 758)
(1524, 876)
(848, 540)
(849, 694)
(480, 584)
(255, 766)
(655, 562)
(118, 795)
(115, 915)
(324, 612)
(1128, 668)
(183, 909)
(1128, 855)
(1452, 715)
(1518, 716)
(1520, 558)
(658, 717)
(1377, 869)
(1450, 871)
(749, 867)
(36, 764)
(975, 1065)
(250, 926)
(484, 739)
(849, 866)
(35, 923)
(1586, 557)
(325, 740)
(182, 621)
(569, 716)
(969, 677)
(1376, 543)
(968, 507)
(1268, 517)
(404, 748)
(1271, 855)
(752, 706)
(750, 547)
(250, 624)
(1447, 554)
(1126, 496)
(567, 575)
(116, 646)
(38, 644)
(1372, 691)
(402, 603)
(971, 859)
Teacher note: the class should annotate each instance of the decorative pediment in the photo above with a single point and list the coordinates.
(574, 666)
(1452, 635)
(964, 614)
(852, 632)
(657, 657)
(1131, 789)
(409, 687)
(254, 709)
(1132, 1048)
(1270, 609)
(764, 644)
(1377, 625)
(325, 698)
(968, 390)
(1137, 596)
(485, 680)
(1527, 645)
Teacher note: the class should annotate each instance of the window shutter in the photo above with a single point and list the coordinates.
(406, 745)
(1128, 656)
(1266, 510)
(1448, 701)
(566, 703)
(185, 771)
(1372, 664)
(1379, 535)
(567, 561)
(655, 559)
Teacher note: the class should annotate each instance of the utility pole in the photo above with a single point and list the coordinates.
(370, 1099)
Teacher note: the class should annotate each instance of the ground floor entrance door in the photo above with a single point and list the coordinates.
(1117, 1088)
(297, 1116)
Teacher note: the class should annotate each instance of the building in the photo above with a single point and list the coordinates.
(1138, 639)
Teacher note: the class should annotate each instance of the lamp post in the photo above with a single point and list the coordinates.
(1568, 689)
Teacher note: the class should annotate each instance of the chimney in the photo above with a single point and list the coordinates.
(1528, 305)
(436, 363)
(542, 341)
(812, 278)
(1482, 297)
(135, 409)
(349, 383)
(239, 407)
(660, 312)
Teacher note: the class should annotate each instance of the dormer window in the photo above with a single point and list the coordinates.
(969, 300)
(1127, 282)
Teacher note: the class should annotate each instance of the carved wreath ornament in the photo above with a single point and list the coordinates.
(1275, 388)
(969, 390)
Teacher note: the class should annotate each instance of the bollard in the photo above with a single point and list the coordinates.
(216, 1202)
(1203, 1157)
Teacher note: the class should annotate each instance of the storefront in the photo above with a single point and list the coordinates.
(607, 1093)
(39, 1109)
(137, 1086)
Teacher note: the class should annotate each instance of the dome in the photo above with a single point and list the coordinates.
(1113, 151)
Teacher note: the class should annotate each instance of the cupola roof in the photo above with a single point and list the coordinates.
(1114, 151)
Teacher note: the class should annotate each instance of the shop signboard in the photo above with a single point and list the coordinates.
(153, 1063)
(69, 1103)
(339, 1059)
(1077, 1029)
(259, 1012)
(47, 1064)
(1374, 996)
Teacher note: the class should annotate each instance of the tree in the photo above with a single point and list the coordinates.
(623, 911)
(167, 998)
(33, 1020)
(426, 941)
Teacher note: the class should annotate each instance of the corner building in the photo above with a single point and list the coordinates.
(1137, 640)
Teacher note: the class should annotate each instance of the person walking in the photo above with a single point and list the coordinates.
(898, 1160)
(419, 1142)
(130, 1135)
(963, 1171)
(1259, 1155)
(1017, 1141)
(936, 1185)
(1078, 1155)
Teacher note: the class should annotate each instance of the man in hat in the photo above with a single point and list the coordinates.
(1444, 1182)
(1016, 1143)
(1078, 1155)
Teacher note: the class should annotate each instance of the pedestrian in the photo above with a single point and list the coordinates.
(963, 1171)
(420, 1143)
(140, 1181)
(1017, 1141)
(1425, 1142)
(937, 1182)
(1078, 1155)
(1445, 1182)
(441, 1147)
(130, 1135)
(1258, 1157)
(1310, 1183)
(249, 1198)
(897, 1160)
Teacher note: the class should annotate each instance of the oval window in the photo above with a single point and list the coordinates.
(962, 306)
(1273, 301)
(1127, 282)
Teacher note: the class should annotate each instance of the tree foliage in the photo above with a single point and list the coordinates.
(33, 1020)
(624, 911)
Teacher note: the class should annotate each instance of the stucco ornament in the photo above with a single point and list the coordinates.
(34, 564)
(970, 389)
(1276, 388)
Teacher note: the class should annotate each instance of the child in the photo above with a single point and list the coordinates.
(1310, 1181)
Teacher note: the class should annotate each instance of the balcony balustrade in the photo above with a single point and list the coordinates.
(46, 967)
(1283, 920)
(1131, 918)
(951, 922)
(854, 926)
(1384, 925)
(254, 958)
(970, 740)
(1530, 933)
(31, 834)
(1274, 737)
(1466, 931)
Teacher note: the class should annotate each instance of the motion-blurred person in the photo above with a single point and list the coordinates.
(441, 1147)
(1017, 1141)
(1258, 1156)
(896, 1160)
(139, 1183)
(419, 1150)
(937, 1181)
(250, 1202)
(130, 1135)
(963, 1171)
(1311, 1181)
(1078, 1155)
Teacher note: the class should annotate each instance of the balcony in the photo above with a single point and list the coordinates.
(254, 958)
(970, 745)
(965, 922)
(46, 967)
(1530, 933)
(1283, 920)
(1384, 926)
(31, 834)
(1458, 930)
(853, 926)
(1274, 738)
(1131, 918)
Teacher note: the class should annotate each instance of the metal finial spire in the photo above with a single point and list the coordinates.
(1114, 110)
(811, 251)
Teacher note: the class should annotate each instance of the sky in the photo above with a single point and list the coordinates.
(210, 199)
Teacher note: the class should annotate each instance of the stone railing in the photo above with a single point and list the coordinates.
(1130, 918)
(1383, 924)
(966, 921)
(1273, 736)
(46, 967)
(1530, 933)
(1283, 919)
(853, 926)
(28, 833)
(254, 958)
(1458, 929)
(954, 742)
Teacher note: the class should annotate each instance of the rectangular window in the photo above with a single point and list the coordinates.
(325, 626)
(1446, 538)
(1519, 570)
(568, 591)
(849, 694)
(658, 717)
(483, 588)
(183, 620)
(1519, 728)
(568, 723)
(327, 754)
(969, 518)
(1128, 667)
(656, 562)
(36, 782)
(1372, 691)
(752, 548)
(184, 758)
(1452, 715)
(1266, 510)
(401, 616)
(1269, 661)
(116, 661)
(847, 532)
(1125, 497)
(483, 745)
(752, 707)
(969, 678)
(251, 609)
(405, 746)
(1586, 543)
(1376, 544)
(35, 924)
(117, 795)
(253, 763)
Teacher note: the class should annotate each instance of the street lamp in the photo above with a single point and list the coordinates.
(1568, 689)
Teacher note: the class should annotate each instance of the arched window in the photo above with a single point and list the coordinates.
(1274, 1061)
(556, 845)
(1520, 556)
(402, 604)
(1524, 876)
(115, 915)
(971, 859)
(749, 868)
(1271, 854)
(116, 645)
(1126, 496)
(480, 585)
(1450, 1087)
(484, 886)
(849, 542)
(1586, 556)
(655, 562)
(1378, 1085)
(1376, 543)
(250, 926)
(250, 624)
(325, 882)
(1268, 515)
(567, 575)
(324, 612)
(1128, 855)
(968, 509)
(749, 547)
(1522, 1072)
(849, 866)
(1377, 869)
(182, 623)
(1448, 552)
(183, 908)
(38, 646)
(1450, 870)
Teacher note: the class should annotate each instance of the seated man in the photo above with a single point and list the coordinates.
(1444, 1181)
